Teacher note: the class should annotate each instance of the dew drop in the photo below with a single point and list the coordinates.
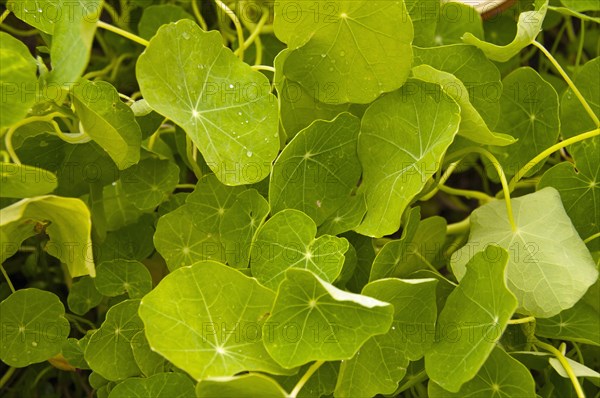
(330, 69)
(186, 35)
(249, 154)
(323, 55)
(342, 53)
(34, 344)
(231, 86)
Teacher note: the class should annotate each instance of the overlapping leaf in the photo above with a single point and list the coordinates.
(313, 320)
(287, 240)
(224, 106)
(318, 169)
(354, 52)
(473, 318)
(549, 267)
(206, 319)
(403, 137)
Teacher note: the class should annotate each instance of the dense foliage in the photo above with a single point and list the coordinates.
(299, 199)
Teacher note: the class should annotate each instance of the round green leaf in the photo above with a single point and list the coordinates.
(287, 240)
(403, 137)
(23, 181)
(318, 169)
(500, 375)
(118, 277)
(109, 351)
(239, 225)
(34, 327)
(474, 317)
(155, 16)
(549, 267)
(353, 52)
(250, 385)
(18, 74)
(149, 183)
(222, 104)
(206, 320)
(313, 320)
(162, 385)
(149, 362)
(83, 296)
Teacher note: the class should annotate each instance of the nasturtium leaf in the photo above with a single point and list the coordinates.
(149, 183)
(67, 222)
(318, 169)
(575, 120)
(530, 113)
(456, 19)
(528, 27)
(155, 16)
(162, 385)
(132, 242)
(72, 39)
(549, 267)
(321, 383)
(424, 15)
(108, 121)
(501, 375)
(287, 240)
(416, 250)
(473, 318)
(82, 165)
(118, 210)
(206, 319)
(478, 74)
(34, 327)
(578, 369)
(297, 106)
(313, 320)
(239, 224)
(72, 351)
(41, 14)
(580, 323)
(109, 351)
(403, 138)
(123, 276)
(579, 192)
(149, 362)
(353, 52)
(17, 79)
(222, 104)
(347, 217)
(23, 181)
(83, 296)
(382, 361)
(249, 385)
(210, 199)
(472, 125)
(181, 242)
(581, 5)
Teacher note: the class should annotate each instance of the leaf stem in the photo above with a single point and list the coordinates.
(263, 67)
(255, 33)
(572, 86)
(548, 152)
(79, 319)
(580, 47)
(121, 32)
(591, 238)
(198, 15)
(6, 376)
(467, 193)
(238, 27)
(565, 364)
(313, 368)
(4, 15)
(185, 186)
(519, 321)
(10, 285)
(496, 164)
(459, 227)
(441, 181)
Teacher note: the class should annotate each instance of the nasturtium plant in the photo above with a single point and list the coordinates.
(299, 199)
